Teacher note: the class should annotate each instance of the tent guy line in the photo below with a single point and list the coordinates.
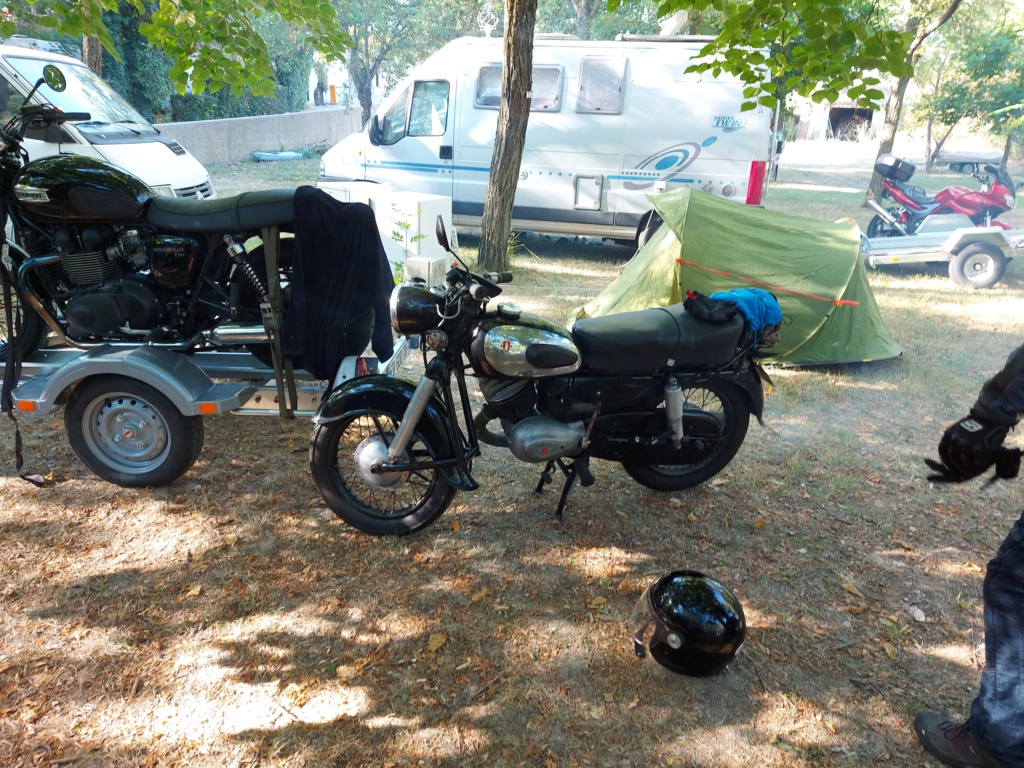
(837, 302)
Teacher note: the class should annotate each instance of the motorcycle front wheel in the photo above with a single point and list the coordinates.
(33, 330)
(389, 504)
(728, 409)
(129, 433)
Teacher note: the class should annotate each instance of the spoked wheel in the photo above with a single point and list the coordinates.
(980, 265)
(129, 433)
(32, 329)
(715, 418)
(342, 458)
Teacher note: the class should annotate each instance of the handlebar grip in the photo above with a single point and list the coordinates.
(73, 117)
(499, 277)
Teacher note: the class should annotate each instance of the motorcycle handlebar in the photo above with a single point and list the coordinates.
(498, 277)
(73, 117)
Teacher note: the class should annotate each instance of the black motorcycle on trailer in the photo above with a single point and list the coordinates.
(98, 258)
(664, 393)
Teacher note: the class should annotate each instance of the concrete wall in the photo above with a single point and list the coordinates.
(225, 141)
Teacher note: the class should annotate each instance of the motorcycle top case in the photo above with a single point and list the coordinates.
(892, 167)
(77, 189)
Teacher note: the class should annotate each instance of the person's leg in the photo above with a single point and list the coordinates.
(997, 714)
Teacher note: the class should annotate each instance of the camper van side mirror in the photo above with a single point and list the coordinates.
(374, 131)
(442, 235)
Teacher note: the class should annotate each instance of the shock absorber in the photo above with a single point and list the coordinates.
(674, 408)
(237, 254)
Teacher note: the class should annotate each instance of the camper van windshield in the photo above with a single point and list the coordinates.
(85, 93)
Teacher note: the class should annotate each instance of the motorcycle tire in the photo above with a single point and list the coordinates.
(394, 504)
(33, 329)
(129, 433)
(877, 227)
(729, 406)
(979, 265)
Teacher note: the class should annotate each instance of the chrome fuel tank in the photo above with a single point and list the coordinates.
(512, 344)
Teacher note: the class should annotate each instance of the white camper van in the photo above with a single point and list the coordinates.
(611, 122)
(115, 132)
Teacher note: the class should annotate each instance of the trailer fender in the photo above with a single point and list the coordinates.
(385, 393)
(173, 373)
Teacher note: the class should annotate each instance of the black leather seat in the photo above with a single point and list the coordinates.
(247, 211)
(655, 339)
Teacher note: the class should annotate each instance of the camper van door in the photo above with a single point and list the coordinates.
(416, 128)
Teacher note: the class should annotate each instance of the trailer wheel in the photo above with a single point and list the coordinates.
(129, 433)
(979, 265)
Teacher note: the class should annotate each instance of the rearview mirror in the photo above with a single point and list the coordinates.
(442, 235)
(54, 78)
(373, 132)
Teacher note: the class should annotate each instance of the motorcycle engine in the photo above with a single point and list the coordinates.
(110, 297)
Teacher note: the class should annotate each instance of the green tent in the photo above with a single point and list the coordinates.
(814, 269)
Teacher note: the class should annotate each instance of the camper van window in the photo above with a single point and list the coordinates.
(10, 99)
(601, 84)
(392, 124)
(547, 88)
(428, 115)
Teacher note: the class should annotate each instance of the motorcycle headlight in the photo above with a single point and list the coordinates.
(414, 309)
(1011, 200)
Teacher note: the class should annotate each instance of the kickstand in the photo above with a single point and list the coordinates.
(575, 470)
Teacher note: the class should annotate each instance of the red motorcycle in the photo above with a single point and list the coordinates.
(913, 205)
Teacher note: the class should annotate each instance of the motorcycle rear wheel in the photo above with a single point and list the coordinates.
(729, 408)
(877, 227)
(129, 433)
(396, 504)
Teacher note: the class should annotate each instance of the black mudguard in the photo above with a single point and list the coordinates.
(385, 393)
(750, 383)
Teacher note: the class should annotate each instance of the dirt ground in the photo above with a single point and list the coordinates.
(230, 620)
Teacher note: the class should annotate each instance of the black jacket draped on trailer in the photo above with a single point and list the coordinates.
(340, 287)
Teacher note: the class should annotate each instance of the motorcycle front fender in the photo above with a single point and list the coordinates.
(389, 395)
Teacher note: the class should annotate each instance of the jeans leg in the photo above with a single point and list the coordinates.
(997, 714)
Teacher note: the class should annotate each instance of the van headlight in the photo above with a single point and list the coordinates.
(164, 191)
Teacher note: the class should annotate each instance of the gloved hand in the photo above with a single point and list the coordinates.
(709, 310)
(967, 449)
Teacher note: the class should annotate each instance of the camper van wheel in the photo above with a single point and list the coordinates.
(649, 224)
(129, 433)
(979, 265)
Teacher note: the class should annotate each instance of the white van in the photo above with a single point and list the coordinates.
(115, 133)
(611, 122)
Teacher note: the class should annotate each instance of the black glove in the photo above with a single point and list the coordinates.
(968, 448)
(709, 310)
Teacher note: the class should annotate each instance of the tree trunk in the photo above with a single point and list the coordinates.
(919, 31)
(92, 54)
(513, 114)
(1006, 149)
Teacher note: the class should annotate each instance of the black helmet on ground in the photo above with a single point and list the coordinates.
(698, 624)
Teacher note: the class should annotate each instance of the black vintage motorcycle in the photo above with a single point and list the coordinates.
(98, 258)
(664, 393)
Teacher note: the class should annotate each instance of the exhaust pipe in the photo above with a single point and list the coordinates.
(233, 335)
(886, 216)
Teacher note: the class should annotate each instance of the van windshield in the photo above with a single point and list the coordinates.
(85, 93)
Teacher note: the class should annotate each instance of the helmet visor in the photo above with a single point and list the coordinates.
(641, 623)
